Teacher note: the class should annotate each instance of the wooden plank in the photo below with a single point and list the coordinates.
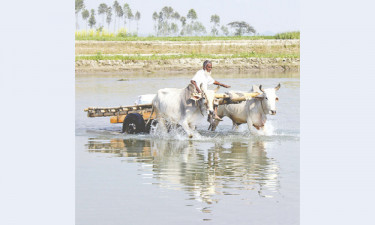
(237, 96)
(121, 118)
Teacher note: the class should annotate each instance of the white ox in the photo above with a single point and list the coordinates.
(176, 106)
(252, 111)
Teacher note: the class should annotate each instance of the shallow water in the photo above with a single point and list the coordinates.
(221, 177)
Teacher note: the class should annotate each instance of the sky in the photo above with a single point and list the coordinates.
(266, 16)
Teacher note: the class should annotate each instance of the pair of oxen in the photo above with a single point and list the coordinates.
(184, 107)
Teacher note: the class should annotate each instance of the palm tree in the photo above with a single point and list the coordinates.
(85, 16)
(102, 9)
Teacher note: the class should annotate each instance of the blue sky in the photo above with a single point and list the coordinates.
(264, 15)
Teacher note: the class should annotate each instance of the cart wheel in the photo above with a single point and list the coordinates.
(133, 124)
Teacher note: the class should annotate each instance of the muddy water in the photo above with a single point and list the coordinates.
(222, 177)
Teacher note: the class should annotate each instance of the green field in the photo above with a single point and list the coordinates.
(105, 36)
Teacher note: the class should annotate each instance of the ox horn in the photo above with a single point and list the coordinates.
(260, 88)
(277, 87)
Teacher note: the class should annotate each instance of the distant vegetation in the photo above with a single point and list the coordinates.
(118, 19)
(288, 35)
(114, 23)
(121, 35)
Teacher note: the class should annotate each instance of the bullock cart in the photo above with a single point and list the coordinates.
(134, 118)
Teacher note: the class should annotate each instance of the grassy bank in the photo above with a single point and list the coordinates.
(92, 35)
(288, 35)
(184, 56)
(244, 54)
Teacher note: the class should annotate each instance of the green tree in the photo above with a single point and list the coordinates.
(199, 29)
(192, 14)
(176, 16)
(174, 28)
(194, 27)
(126, 12)
(92, 20)
(215, 19)
(155, 18)
(183, 24)
(119, 12)
(225, 30)
(102, 10)
(85, 16)
(167, 12)
(79, 6)
(115, 6)
(109, 16)
(130, 17)
(166, 27)
(165, 21)
(137, 17)
(241, 28)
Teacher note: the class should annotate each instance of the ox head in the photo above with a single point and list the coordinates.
(209, 96)
(268, 98)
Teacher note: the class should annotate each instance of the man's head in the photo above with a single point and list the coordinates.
(207, 66)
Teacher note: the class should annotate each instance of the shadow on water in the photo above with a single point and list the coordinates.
(205, 170)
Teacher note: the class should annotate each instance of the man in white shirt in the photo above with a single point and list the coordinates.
(204, 77)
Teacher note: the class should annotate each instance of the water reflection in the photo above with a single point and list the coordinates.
(205, 170)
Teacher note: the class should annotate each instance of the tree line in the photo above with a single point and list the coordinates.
(167, 22)
(120, 15)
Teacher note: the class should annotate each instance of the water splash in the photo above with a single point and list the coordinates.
(268, 130)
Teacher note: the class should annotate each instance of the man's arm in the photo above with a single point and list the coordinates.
(196, 86)
(223, 85)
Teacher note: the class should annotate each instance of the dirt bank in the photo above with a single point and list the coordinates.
(187, 47)
(186, 65)
(182, 65)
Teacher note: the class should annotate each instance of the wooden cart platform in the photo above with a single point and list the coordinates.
(119, 114)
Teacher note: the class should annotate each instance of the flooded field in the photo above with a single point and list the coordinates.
(222, 177)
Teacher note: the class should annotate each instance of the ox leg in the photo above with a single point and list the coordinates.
(235, 126)
(249, 123)
(161, 126)
(187, 129)
(216, 123)
(192, 126)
